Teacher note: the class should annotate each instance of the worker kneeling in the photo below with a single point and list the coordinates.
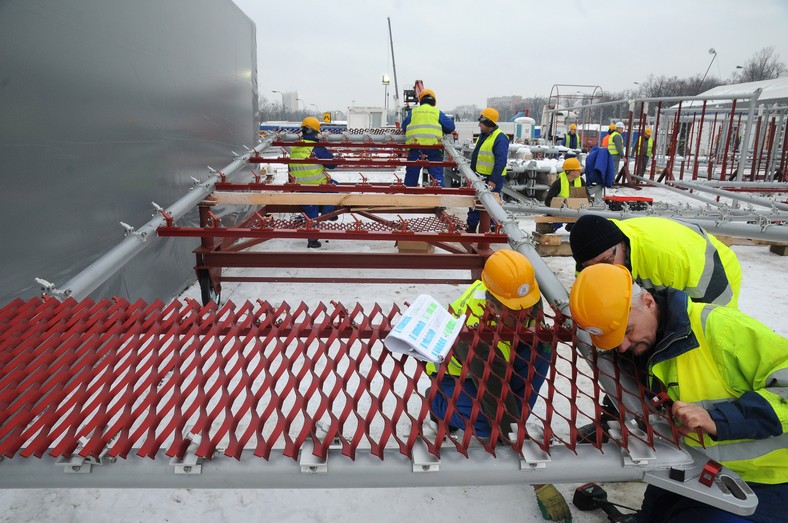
(507, 294)
(725, 373)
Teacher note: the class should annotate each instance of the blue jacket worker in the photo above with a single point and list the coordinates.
(489, 158)
(311, 173)
(425, 125)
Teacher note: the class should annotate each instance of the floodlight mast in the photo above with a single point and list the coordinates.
(394, 66)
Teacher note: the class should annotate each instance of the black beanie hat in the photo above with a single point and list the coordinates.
(592, 235)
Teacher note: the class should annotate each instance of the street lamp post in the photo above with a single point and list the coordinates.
(317, 111)
(712, 51)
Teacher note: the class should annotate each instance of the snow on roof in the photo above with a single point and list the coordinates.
(775, 90)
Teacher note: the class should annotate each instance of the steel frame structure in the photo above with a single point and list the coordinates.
(62, 346)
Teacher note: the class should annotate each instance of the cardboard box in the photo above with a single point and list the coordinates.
(415, 247)
(572, 203)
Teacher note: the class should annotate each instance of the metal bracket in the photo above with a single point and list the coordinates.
(532, 457)
(76, 464)
(311, 464)
(191, 463)
(639, 453)
(423, 461)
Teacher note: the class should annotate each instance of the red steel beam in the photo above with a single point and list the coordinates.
(306, 233)
(361, 163)
(346, 188)
(343, 260)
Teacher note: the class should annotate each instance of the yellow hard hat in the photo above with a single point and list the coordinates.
(509, 276)
(648, 132)
(572, 164)
(312, 123)
(600, 300)
(490, 113)
(612, 127)
(428, 92)
(573, 127)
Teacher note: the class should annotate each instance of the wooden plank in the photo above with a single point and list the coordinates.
(548, 239)
(781, 249)
(344, 200)
(554, 219)
(554, 250)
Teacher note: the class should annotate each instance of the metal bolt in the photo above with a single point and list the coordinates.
(187, 469)
(75, 467)
(312, 468)
(425, 468)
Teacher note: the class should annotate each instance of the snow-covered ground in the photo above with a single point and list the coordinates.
(764, 296)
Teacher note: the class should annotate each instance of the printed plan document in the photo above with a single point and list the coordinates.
(426, 331)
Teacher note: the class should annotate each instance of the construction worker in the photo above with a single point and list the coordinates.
(507, 292)
(311, 173)
(489, 158)
(725, 373)
(425, 125)
(606, 138)
(661, 252)
(571, 139)
(644, 153)
(570, 176)
(615, 145)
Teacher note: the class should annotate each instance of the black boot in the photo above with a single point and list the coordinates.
(471, 228)
(313, 244)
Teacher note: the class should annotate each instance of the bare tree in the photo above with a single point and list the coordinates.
(764, 65)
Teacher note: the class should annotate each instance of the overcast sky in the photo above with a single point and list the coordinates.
(335, 53)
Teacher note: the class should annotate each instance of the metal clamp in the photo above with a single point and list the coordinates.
(423, 461)
(532, 456)
(191, 463)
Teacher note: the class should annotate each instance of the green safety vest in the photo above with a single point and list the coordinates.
(424, 127)
(578, 182)
(668, 253)
(737, 354)
(471, 303)
(306, 173)
(485, 159)
(649, 145)
(611, 143)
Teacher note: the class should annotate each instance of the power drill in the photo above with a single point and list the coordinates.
(591, 497)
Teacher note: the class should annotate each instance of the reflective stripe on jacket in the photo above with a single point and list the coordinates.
(734, 355)
(649, 145)
(611, 144)
(306, 173)
(669, 253)
(578, 182)
(485, 160)
(424, 127)
(472, 303)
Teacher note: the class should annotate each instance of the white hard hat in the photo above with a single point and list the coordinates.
(619, 125)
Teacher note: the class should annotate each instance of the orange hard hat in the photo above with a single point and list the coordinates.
(600, 300)
(428, 92)
(312, 123)
(490, 114)
(510, 277)
(572, 164)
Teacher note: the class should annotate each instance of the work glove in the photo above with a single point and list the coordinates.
(552, 504)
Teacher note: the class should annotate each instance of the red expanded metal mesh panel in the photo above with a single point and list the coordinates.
(85, 378)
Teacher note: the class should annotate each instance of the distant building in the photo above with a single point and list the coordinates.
(507, 106)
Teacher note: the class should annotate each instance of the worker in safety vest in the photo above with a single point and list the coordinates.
(615, 145)
(606, 138)
(311, 173)
(571, 139)
(570, 177)
(489, 158)
(661, 252)
(644, 153)
(507, 293)
(725, 373)
(425, 125)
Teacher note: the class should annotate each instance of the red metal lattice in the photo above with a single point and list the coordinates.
(86, 378)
